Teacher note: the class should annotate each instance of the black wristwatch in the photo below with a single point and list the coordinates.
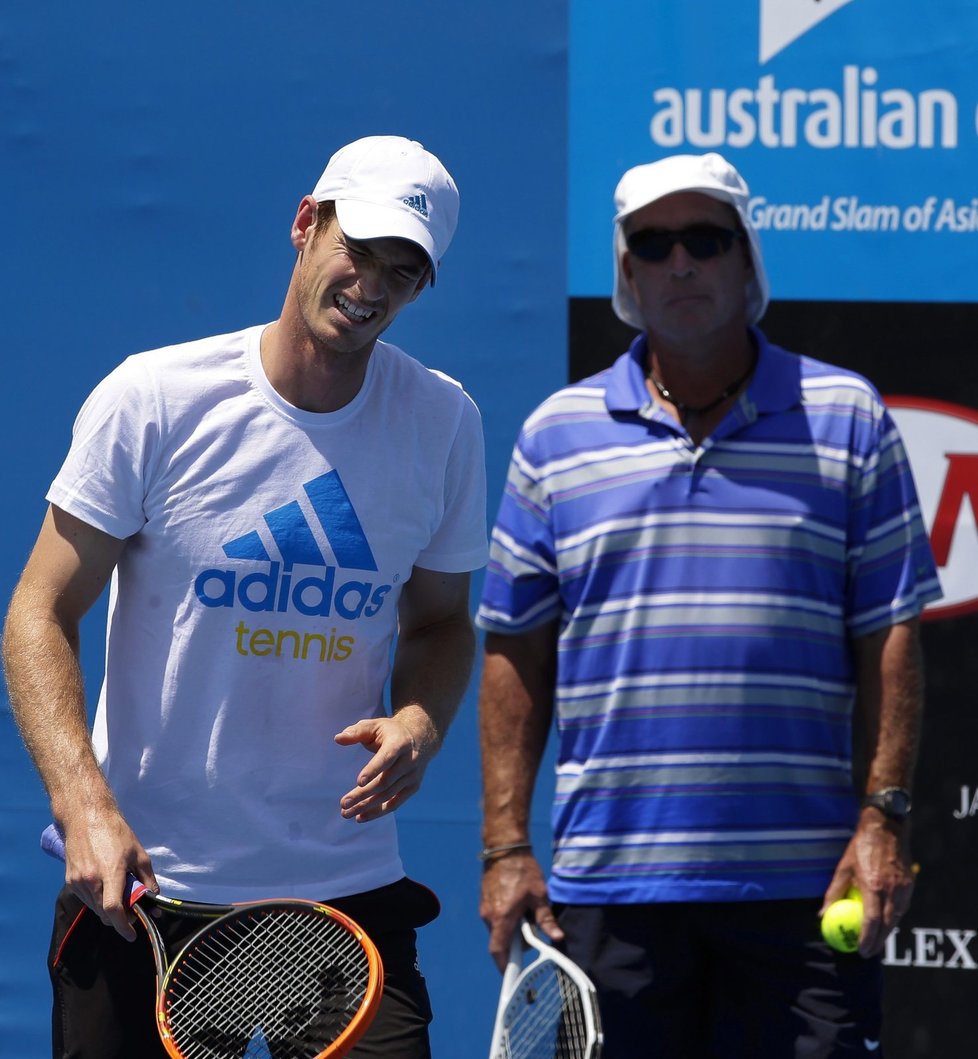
(893, 802)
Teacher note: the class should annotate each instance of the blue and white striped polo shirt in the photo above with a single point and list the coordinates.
(706, 596)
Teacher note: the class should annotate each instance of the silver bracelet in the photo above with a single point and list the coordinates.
(495, 852)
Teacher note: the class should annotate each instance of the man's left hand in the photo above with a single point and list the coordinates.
(402, 746)
(877, 862)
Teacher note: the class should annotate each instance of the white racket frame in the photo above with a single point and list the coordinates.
(515, 973)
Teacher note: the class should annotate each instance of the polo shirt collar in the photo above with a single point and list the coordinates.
(776, 384)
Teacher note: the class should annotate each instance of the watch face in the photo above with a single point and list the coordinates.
(894, 802)
(898, 803)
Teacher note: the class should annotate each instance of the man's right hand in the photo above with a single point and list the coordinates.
(99, 854)
(513, 888)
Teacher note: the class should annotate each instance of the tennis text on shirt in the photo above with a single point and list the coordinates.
(317, 590)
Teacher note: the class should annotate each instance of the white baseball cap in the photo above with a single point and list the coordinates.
(391, 187)
(707, 173)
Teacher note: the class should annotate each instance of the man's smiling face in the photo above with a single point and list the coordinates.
(349, 291)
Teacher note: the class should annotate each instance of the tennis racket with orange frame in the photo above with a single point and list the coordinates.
(279, 979)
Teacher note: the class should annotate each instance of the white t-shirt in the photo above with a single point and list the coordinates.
(252, 614)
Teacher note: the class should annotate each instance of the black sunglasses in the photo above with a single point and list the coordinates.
(701, 241)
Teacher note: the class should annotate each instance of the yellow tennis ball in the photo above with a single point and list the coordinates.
(842, 923)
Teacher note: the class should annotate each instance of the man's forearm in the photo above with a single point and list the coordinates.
(515, 714)
(890, 699)
(432, 668)
(47, 698)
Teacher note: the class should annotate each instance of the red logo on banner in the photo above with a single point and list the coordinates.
(942, 444)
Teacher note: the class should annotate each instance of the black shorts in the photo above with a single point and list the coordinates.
(733, 980)
(105, 987)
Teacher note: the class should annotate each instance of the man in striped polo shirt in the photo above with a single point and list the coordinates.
(708, 562)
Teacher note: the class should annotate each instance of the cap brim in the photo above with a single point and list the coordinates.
(715, 191)
(368, 220)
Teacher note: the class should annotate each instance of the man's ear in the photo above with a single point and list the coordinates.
(305, 218)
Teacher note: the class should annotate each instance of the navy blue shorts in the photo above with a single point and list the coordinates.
(732, 980)
(105, 987)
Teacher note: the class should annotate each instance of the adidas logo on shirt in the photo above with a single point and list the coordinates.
(294, 537)
(277, 587)
(418, 203)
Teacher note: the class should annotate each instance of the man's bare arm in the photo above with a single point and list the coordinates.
(889, 705)
(431, 670)
(515, 715)
(68, 569)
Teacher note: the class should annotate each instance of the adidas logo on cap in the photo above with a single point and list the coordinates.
(419, 203)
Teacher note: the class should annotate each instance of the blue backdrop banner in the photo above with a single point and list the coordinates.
(854, 123)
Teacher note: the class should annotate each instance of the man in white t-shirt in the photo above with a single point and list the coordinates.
(288, 516)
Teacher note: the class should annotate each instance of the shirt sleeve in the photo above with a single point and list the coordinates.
(114, 439)
(459, 543)
(891, 569)
(521, 588)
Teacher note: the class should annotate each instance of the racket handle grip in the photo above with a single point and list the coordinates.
(53, 843)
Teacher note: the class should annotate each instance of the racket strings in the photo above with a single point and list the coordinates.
(546, 1018)
(266, 981)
